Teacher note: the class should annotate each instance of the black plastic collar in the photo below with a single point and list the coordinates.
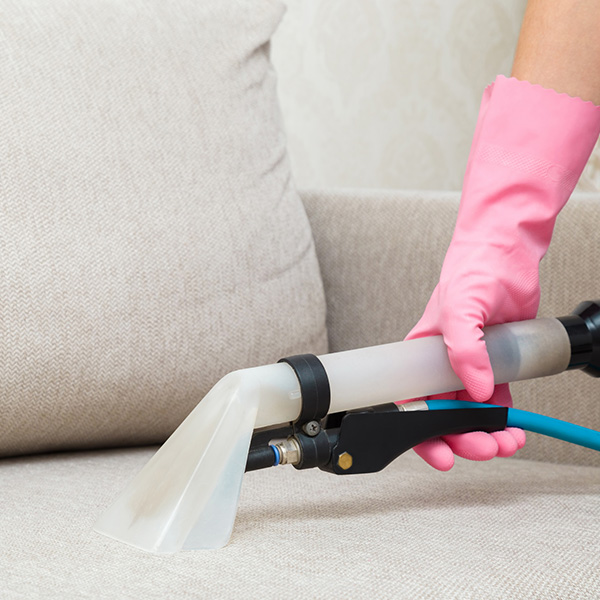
(314, 386)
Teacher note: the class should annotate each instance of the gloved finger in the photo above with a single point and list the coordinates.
(507, 444)
(519, 435)
(475, 445)
(512, 438)
(509, 441)
(464, 395)
(469, 358)
(436, 453)
(500, 396)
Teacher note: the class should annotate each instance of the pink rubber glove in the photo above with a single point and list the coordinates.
(529, 149)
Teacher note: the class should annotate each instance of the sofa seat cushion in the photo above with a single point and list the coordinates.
(504, 529)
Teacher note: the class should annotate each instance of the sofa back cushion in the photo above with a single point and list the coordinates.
(151, 238)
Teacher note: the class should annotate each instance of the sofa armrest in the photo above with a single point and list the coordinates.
(381, 252)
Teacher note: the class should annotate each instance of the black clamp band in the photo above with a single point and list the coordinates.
(314, 386)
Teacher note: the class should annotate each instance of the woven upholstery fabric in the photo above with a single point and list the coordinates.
(504, 529)
(151, 239)
(381, 253)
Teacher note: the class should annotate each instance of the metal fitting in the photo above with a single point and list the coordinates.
(289, 451)
(410, 406)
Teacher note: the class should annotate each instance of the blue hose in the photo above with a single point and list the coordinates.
(568, 432)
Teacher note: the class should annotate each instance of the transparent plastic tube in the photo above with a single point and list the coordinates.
(416, 368)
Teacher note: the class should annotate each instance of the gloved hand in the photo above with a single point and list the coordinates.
(529, 149)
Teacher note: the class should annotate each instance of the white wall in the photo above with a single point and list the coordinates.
(385, 93)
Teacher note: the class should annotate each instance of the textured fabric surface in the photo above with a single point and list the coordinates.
(385, 94)
(506, 529)
(151, 237)
(381, 253)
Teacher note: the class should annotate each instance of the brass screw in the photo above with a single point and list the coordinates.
(344, 461)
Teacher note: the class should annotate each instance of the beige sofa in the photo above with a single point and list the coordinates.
(511, 528)
(151, 241)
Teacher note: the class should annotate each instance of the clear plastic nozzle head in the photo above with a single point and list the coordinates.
(186, 497)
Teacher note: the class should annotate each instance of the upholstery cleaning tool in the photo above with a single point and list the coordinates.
(186, 496)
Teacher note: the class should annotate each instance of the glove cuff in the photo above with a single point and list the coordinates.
(535, 130)
(529, 149)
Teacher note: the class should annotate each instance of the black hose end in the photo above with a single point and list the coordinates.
(583, 327)
(261, 458)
